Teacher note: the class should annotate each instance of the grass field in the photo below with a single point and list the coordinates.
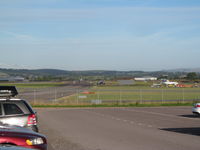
(135, 94)
(112, 105)
(109, 94)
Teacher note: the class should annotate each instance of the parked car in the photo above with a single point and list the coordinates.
(196, 109)
(11, 147)
(21, 137)
(16, 111)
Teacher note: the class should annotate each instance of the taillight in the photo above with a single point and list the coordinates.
(32, 120)
(197, 105)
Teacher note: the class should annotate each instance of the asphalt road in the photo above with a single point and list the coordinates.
(50, 94)
(159, 128)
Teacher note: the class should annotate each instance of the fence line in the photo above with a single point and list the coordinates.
(107, 96)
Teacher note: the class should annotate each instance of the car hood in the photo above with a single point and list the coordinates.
(19, 131)
(13, 148)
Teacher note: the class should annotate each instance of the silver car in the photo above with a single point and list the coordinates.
(196, 109)
(16, 111)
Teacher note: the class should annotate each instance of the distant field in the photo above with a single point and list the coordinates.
(141, 92)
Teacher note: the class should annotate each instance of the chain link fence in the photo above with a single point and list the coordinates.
(77, 95)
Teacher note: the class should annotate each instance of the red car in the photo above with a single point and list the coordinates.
(22, 137)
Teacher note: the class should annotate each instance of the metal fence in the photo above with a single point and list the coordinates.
(76, 96)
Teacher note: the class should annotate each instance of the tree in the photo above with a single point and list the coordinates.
(192, 76)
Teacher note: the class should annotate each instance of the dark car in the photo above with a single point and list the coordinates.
(11, 147)
(21, 137)
(16, 111)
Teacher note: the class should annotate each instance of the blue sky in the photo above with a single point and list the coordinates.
(100, 34)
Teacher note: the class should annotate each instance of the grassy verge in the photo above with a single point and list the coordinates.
(135, 94)
(111, 105)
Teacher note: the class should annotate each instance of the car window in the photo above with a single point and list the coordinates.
(12, 109)
(0, 110)
(29, 107)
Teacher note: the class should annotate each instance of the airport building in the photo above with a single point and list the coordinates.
(145, 79)
(12, 79)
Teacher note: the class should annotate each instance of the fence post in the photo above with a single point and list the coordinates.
(34, 96)
(55, 95)
(77, 91)
(98, 96)
(183, 92)
(140, 96)
(120, 96)
(162, 95)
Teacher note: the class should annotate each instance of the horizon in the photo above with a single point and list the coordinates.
(145, 35)
(162, 70)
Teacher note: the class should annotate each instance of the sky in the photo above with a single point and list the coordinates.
(124, 35)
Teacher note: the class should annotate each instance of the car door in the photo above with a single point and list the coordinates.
(13, 115)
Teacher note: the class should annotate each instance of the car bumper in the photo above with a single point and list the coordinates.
(37, 147)
(196, 111)
(34, 128)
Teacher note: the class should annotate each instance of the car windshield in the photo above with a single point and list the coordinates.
(0, 110)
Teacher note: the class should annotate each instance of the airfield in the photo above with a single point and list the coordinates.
(84, 126)
(68, 94)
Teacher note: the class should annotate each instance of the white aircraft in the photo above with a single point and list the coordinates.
(167, 82)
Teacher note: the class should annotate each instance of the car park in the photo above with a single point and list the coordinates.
(21, 137)
(196, 109)
(14, 111)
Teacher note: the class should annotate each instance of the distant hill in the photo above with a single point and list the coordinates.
(57, 72)
(184, 70)
(44, 72)
(61, 73)
(51, 74)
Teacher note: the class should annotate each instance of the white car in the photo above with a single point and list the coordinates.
(196, 109)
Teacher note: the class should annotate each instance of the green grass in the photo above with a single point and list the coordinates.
(136, 94)
(112, 105)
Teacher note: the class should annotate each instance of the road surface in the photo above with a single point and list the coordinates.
(154, 128)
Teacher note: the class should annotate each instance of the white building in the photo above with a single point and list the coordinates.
(145, 79)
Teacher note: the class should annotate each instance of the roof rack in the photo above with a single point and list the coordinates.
(8, 91)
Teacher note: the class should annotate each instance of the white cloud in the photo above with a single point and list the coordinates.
(18, 36)
(50, 14)
(124, 49)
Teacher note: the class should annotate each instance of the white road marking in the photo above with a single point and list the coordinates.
(160, 114)
(119, 119)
